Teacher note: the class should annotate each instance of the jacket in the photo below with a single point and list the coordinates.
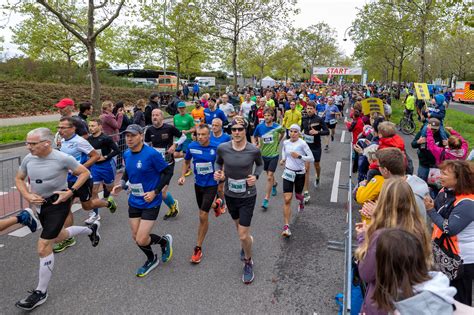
(139, 117)
(394, 141)
(420, 190)
(356, 127)
(292, 117)
(442, 154)
(425, 156)
(370, 191)
(318, 123)
(111, 125)
(148, 109)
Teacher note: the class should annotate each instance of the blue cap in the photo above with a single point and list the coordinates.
(181, 104)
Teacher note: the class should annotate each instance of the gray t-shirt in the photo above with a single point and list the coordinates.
(237, 166)
(48, 174)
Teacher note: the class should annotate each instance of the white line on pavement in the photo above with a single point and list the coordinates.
(335, 182)
(342, 136)
(347, 110)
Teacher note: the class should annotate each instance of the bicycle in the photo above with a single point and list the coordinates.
(407, 125)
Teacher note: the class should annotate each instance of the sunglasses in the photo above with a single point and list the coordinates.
(237, 129)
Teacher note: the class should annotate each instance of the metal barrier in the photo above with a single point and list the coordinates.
(346, 244)
(11, 200)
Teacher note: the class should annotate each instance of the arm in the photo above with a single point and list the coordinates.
(308, 157)
(165, 178)
(461, 216)
(431, 145)
(259, 164)
(369, 192)
(465, 145)
(351, 126)
(114, 149)
(367, 264)
(324, 129)
(414, 143)
(299, 119)
(83, 175)
(119, 119)
(93, 157)
(21, 186)
(112, 122)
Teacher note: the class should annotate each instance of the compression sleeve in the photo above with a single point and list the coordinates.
(165, 178)
(181, 139)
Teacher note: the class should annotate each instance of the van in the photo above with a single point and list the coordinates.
(464, 92)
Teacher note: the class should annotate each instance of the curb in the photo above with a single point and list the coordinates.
(12, 145)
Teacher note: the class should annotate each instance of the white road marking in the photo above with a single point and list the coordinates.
(347, 110)
(342, 136)
(335, 182)
(3, 193)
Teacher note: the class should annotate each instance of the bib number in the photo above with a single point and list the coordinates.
(197, 121)
(320, 114)
(289, 175)
(309, 138)
(332, 121)
(268, 139)
(237, 185)
(137, 190)
(204, 168)
(162, 151)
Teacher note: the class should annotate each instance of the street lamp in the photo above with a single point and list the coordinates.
(349, 28)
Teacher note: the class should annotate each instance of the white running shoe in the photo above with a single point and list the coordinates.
(92, 218)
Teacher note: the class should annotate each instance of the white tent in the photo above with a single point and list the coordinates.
(267, 81)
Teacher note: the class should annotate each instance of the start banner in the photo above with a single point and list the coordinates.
(337, 71)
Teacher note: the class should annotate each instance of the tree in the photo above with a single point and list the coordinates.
(286, 62)
(231, 20)
(99, 17)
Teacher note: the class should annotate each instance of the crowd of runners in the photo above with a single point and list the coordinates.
(227, 141)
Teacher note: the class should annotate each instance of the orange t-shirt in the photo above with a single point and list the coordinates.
(198, 116)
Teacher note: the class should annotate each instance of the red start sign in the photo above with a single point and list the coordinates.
(337, 71)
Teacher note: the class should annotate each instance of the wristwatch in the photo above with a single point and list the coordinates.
(74, 190)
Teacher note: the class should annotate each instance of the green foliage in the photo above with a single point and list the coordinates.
(11, 134)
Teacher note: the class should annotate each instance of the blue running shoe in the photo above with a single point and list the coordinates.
(242, 254)
(274, 189)
(167, 251)
(265, 204)
(248, 275)
(26, 217)
(147, 267)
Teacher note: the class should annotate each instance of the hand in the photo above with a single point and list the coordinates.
(421, 140)
(116, 190)
(149, 196)
(251, 179)
(181, 180)
(219, 175)
(429, 203)
(295, 155)
(449, 129)
(363, 183)
(63, 196)
(120, 110)
(445, 143)
(361, 228)
(313, 132)
(358, 149)
(282, 162)
(101, 158)
(171, 149)
(429, 115)
(429, 126)
(368, 209)
(35, 199)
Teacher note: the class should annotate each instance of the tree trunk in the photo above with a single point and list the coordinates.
(234, 61)
(95, 84)
(178, 74)
(400, 68)
(422, 49)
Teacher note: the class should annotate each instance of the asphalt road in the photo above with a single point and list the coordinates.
(299, 275)
(465, 108)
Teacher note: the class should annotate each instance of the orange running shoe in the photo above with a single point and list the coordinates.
(218, 209)
(197, 255)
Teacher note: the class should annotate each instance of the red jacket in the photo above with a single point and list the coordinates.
(356, 127)
(392, 142)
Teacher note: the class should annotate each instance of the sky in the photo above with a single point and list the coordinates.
(339, 14)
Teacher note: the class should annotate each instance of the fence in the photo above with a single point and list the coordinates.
(10, 199)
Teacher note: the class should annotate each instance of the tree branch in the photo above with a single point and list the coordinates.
(101, 5)
(112, 18)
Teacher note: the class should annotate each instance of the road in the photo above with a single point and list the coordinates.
(465, 108)
(299, 275)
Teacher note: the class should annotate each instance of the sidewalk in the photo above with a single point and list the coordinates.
(27, 120)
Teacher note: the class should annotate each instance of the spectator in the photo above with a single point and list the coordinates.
(195, 90)
(85, 110)
(152, 104)
(388, 136)
(396, 207)
(435, 110)
(205, 100)
(138, 115)
(111, 123)
(66, 107)
(457, 147)
(185, 91)
(119, 106)
(356, 127)
(453, 212)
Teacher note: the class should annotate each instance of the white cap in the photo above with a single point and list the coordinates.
(296, 127)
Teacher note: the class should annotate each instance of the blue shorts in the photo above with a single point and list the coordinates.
(103, 172)
(184, 146)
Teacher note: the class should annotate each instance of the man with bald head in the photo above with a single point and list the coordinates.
(161, 137)
(218, 136)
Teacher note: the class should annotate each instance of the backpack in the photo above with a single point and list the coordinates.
(172, 108)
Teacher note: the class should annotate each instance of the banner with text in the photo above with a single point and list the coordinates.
(372, 105)
(337, 71)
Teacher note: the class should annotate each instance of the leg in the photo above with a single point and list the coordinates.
(317, 167)
(286, 208)
(270, 182)
(245, 240)
(307, 167)
(6, 223)
(203, 227)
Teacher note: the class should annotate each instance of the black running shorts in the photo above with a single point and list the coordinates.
(84, 193)
(145, 214)
(241, 209)
(52, 218)
(205, 196)
(270, 163)
(297, 185)
(316, 153)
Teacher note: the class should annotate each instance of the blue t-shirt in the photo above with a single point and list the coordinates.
(223, 138)
(144, 171)
(203, 161)
(77, 147)
(320, 108)
(331, 112)
(218, 113)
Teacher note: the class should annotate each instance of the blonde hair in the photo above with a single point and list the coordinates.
(387, 129)
(141, 103)
(107, 104)
(397, 208)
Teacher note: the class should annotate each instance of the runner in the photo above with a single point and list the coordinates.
(267, 138)
(47, 172)
(203, 153)
(25, 217)
(146, 173)
(85, 154)
(184, 123)
(217, 137)
(292, 116)
(294, 155)
(313, 128)
(213, 112)
(198, 113)
(102, 171)
(332, 113)
(237, 158)
(160, 136)
(246, 107)
(227, 107)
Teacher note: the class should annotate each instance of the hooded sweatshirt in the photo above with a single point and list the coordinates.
(442, 154)
(394, 141)
(420, 189)
(434, 296)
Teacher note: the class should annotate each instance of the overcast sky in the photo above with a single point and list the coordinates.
(337, 13)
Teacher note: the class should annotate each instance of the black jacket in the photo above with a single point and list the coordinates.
(317, 123)
(425, 156)
(148, 109)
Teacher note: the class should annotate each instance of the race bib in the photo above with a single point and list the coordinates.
(320, 114)
(204, 168)
(99, 151)
(261, 120)
(309, 138)
(162, 151)
(268, 139)
(332, 121)
(137, 190)
(237, 185)
(197, 121)
(289, 175)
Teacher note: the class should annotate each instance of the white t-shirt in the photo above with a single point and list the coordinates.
(300, 147)
(246, 108)
(227, 108)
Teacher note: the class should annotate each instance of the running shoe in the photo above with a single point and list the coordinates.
(326, 148)
(148, 266)
(61, 246)
(95, 236)
(242, 254)
(189, 172)
(35, 299)
(92, 218)
(248, 275)
(306, 196)
(167, 251)
(274, 189)
(197, 255)
(332, 138)
(219, 207)
(173, 211)
(286, 231)
(27, 217)
(300, 207)
(113, 205)
(265, 204)
(316, 182)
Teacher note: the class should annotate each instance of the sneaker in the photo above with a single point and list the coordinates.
(189, 172)
(300, 207)
(95, 236)
(147, 267)
(173, 211)
(326, 148)
(265, 204)
(92, 218)
(286, 231)
(167, 251)
(274, 189)
(248, 275)
(316, 182)
(197, 255)
(113, 204)
(306, 196)
(35, 299)
(61, 246)
(332, 138)
(27, 217)
(219, 208)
